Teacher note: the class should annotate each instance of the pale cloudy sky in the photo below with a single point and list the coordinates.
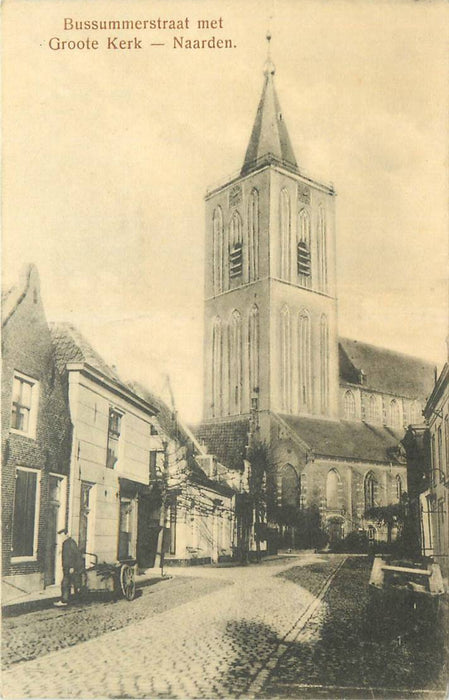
(107, 155)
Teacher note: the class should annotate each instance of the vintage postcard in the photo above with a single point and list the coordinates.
(225, 378)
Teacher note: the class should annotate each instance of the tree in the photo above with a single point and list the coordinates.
(392, 515)
(258, 457)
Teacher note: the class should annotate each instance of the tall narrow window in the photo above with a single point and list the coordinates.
(235, 246)
(25, 520)
(285, 229)
(253, 236)
(114, 429)
(398, 488)
(217, 368)
(253, 351)
(217, 265)
(285, 360)
(303, 261)
(322, 249)
(24, 404)
(235, 363)
(370, 490)
(349, 406)
(333, 490)
(372, 410)
(324, 363)
(440, 452)
(304, 362)
(395, 414)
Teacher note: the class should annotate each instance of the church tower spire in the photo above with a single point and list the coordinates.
(269, 142)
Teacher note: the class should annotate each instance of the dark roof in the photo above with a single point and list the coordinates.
(71, 346)
(269, 136)
(227, 440)
(385, 370)
(346, 439)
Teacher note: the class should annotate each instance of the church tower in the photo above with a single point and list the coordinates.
(270, 281)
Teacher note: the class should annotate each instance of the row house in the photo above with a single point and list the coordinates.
(36, 443)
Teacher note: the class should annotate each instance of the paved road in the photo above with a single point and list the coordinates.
(220, 645)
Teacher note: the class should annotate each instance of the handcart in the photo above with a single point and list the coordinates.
(117, 578)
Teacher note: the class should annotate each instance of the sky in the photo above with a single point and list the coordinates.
(107, 155)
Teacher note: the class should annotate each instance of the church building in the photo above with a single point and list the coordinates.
(332, 409)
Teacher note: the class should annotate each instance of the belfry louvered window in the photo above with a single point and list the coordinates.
(236, 247)
(303, 258)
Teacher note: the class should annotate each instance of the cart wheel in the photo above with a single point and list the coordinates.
(127, 582)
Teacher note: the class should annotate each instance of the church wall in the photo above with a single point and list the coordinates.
(243, 300)
(296, 300)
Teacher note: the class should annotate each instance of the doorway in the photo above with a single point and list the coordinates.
(55, 522)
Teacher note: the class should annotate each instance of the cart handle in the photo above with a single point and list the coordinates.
(91, 554)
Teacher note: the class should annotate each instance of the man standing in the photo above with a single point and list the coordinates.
(72, 566)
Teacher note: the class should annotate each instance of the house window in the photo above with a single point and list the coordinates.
(152, 465)
(24, 404)
(370, 491)
(398, 487)
(349, 406)
(25, 517)
(236, 246)
(115, 419)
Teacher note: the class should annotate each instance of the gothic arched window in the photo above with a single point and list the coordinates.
(217, 368)
(285, 360)
(235, 363)
(290, 487)
(395, 414)
(324, 363)
(253, 236)
(235, 246)
(304, 361)
(217, 264)
(333, 490)
(349, 405)
(322, 249)
(370, 491)
(303, 260)
(285, 229)
(372, 411)
(253, 351)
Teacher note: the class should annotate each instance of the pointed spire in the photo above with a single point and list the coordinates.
(269, 140)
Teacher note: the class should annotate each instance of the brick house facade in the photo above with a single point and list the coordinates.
(36, 440)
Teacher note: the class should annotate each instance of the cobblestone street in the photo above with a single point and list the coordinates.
(256, 632)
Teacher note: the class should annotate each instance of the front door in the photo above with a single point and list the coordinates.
(55, 522)
(126, 544)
